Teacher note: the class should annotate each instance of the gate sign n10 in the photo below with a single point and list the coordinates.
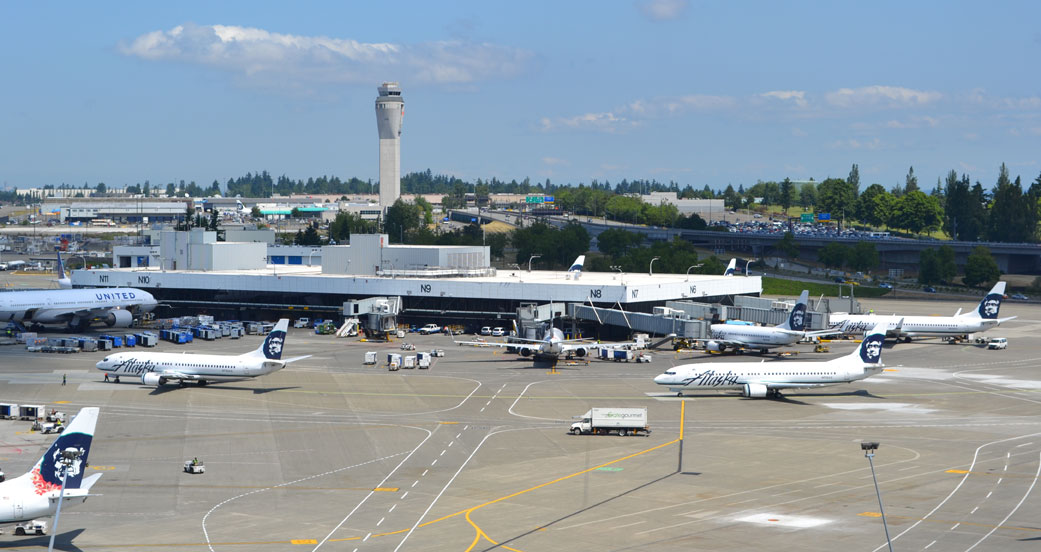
(806, 217)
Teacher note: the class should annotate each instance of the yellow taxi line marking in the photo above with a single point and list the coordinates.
(962, 472)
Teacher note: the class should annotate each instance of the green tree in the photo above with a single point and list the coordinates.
(947, 267)
(866, 205)
(833, 255)
(1013, 214)
(928, 267)
(835, 196)
(980, 268)
(214, 224)
(255, 212)
(309, 236)
(787, 194)
(345, 224)
(863, 256)
(101, 189)
(401, 218)
(853, 180)
(915, 211)
(617, 242)
(787, 246)
(910, 182)
(807, 195)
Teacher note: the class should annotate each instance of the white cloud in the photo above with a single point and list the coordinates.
(662, 10)
(880, 96)
(798, 97)
(555, 161)
(798, 132)
(854, 144)
(603, 122)
(258, 54)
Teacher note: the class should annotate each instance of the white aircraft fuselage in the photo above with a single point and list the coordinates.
(206, 367)
(72, 306)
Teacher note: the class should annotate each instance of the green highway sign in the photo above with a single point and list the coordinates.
(806, 217)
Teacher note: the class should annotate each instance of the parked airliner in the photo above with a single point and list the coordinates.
(982, 319)
(159, 368)
(76, 307)
(761, 379)
(735, 336)
(35, 494)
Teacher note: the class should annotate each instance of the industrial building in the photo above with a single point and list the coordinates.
(195, 273)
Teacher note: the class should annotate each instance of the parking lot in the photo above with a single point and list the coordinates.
(473, 454)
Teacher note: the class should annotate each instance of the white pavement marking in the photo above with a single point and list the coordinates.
(443, 452)
(403, 496)
(424, 472)
(434, 462)
(1021, 501)
(380, 522)
(974, 510)
(975, 457)
(955, 526)
(414, 483)
(206, 533)
(1025, 444)
(928, 545)
(449, 484)
(392, 508)
(372, 492)
(366, 537)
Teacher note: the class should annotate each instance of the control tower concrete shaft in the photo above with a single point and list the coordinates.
(390, 109)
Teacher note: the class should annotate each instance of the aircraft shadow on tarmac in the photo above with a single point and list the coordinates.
(505, 543)
(784, 397)
(168, 388)
(62, 541)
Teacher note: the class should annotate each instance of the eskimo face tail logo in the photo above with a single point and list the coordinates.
(797, 319)
(273, 345)
(48, 476)
(989, 306)
(871, 349)
(729, 272)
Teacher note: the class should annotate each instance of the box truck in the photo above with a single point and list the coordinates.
(619, 421)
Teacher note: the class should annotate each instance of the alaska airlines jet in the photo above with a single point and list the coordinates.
(35, 494)
(159, 368)
(761, 379)
(792, 330)
(982, 319)
(75, 307)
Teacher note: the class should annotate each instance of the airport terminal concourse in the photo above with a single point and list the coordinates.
(194, 271)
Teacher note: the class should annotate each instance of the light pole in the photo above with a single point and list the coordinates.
(748, 262)
(869, 449)
(650, 269)
(699, 265)
(532, 258)
(68, 457)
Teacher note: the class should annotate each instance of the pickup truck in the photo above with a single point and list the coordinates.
(430, 329)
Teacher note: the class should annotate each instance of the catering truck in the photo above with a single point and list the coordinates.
(620, 421)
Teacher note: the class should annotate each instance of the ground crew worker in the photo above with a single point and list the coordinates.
(63, 379)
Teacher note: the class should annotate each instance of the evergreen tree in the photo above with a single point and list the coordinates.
(980, 268)
(910, 182)
(787, 246)
(787, 194)
(853, 180)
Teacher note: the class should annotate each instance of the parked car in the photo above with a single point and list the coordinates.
(430, 329)
(839, 280)
(486, 330)
(885, 285)
(498, 332)
(929, 289)
(1019, 296)
(998, 343)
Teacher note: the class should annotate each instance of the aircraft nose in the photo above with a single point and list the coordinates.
(660, 379)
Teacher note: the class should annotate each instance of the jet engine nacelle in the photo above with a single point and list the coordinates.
(580, 352)
(715, 347)
(152, 379)
(525, 352)
(119, 319)
(755, 390)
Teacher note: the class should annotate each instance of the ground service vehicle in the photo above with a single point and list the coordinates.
(430, 329)
(998, 343)
(619, 421)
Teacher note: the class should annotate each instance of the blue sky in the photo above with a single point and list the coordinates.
(700, 93)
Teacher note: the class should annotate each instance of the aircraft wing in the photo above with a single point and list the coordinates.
(817, 333)
(173, 374)
(786, 385)
(534, 346)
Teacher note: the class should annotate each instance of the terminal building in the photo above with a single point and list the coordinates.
(194, 273)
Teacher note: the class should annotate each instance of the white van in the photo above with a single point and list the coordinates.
(998, 343)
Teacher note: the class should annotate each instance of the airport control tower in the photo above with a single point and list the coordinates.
(390, 109)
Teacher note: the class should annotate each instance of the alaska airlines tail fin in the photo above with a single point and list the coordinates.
(577, 265)
(991, 303)
(731, 268)
(271, 348)
(870, 349)
(64, 282)
(797, 318)
(46, 474)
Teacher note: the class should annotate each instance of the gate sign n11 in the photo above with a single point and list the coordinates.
(823, 216)
(806, 217)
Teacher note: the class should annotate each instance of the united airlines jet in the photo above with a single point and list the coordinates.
(77, 308)
(762, 379)
(159, 368)
(983, 318)
(35, 494)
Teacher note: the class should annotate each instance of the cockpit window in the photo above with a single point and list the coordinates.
(670, 373)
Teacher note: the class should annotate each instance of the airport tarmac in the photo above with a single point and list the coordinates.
(473, 454)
